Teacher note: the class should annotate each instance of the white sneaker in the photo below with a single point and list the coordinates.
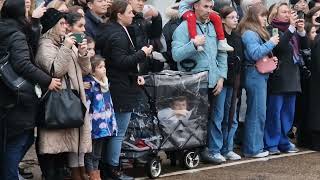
(224, 46)
(232, 156)
(218, 158)
(259, 155)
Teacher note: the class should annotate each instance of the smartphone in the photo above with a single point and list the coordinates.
(275, 31)
(79, 37)
(300, 14)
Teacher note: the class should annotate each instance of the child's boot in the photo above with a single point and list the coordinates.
(224, 46)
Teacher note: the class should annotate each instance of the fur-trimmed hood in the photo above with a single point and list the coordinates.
(172, 11)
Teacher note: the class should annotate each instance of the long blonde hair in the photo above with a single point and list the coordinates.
(251, 21)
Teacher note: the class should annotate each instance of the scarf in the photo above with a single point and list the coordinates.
(294, 41)
(103, 84)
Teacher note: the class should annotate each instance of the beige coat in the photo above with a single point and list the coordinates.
(64, 60)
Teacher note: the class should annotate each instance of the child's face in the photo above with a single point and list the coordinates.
(179, 105)
(100, 71)
(91, 51)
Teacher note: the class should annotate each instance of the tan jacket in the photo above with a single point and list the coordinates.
(65, 60)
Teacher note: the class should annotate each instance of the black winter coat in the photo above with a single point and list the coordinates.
(122, 59)
(22, 116)
(144, 33)
(286, 79)
(92, 24)
(234, 58)
(168, 31)
(314, 88)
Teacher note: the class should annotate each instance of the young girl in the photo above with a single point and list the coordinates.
(257, 44)
(185, 10)
(101, 113)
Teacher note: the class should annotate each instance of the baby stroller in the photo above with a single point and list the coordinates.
(174, 122)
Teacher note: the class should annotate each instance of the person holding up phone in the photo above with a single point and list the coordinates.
(284, 82)
(57, 48)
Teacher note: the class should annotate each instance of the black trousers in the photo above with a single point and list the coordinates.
(52, 165)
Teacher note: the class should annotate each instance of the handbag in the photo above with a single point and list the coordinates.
(266, 65)
(23, 89)
(62, 109)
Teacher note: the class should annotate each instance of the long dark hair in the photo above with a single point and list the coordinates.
(73, 17)
(118, 6)
(15, 10)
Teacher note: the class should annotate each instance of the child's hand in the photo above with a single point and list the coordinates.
(140, 81)
(86, 85)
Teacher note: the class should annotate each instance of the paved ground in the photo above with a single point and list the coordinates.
(301, 167)
(304, 167)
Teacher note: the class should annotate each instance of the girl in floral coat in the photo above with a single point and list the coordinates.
(101, 114)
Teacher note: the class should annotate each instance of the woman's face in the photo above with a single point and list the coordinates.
(231, 21)
(262, 20)
(28, 5)
(61, 27)
(126, 17)
(312, 34)
(78, 27)
(283, 13)
(314, 22)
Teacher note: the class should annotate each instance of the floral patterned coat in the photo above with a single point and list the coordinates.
(100, 110)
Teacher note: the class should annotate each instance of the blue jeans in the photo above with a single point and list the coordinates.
(220, 137)
(112, 147)
(256, 88)
(280, 116)
(16, 148)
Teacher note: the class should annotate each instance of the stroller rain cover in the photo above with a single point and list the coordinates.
(176, 115)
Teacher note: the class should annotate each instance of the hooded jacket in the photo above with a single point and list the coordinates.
(22, 116)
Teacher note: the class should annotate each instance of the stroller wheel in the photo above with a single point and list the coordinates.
(153, 168)
(191, 159)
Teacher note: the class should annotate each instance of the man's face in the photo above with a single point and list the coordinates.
(137, 5)
(100, 7)
(203, 8)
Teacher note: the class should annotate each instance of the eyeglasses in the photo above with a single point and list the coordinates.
(233, 17)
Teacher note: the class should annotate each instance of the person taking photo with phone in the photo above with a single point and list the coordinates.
(284, 82)
(57, 49)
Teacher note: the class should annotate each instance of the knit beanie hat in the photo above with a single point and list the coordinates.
(293, 2)
(50, 19)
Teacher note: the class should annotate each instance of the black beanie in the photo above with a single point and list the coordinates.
(50, 19)
(293, 2)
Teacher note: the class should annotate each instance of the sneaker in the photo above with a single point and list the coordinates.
(259, 155)
(292, 150)
(200, 48)
(274, 152)
(224, 46)
(215, 159)
(232, 156)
